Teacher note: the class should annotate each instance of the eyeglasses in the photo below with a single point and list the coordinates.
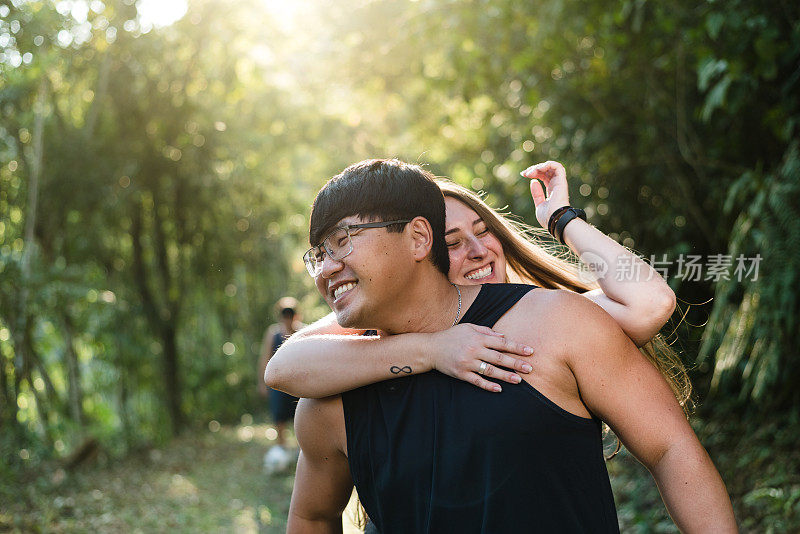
(337, 245)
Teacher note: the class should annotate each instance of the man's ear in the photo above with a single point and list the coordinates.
(421, 235)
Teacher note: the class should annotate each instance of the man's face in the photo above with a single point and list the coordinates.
(361, 286)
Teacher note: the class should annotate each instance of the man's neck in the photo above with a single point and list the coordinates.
(431, 304)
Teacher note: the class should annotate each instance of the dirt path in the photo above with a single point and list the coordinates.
(214, 481)
(203, 482)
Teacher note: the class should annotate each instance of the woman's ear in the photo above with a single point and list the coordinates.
(421, 237)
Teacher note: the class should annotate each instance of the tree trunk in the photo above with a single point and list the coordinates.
(32, 361)
(161, 320)
(124, 414)
(8, 409)
(172, 377)
(50, 389)
(33, 180)
(74, 389)
(99, 96)
(22, 357)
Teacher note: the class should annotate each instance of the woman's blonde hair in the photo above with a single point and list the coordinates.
(531, 260)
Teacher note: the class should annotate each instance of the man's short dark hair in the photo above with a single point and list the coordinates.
(384, 190)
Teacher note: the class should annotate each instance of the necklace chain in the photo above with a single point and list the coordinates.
(458, 313)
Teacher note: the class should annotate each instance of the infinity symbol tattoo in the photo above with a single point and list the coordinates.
(397, 370)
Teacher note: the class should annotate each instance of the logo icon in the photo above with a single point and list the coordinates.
(592, 268)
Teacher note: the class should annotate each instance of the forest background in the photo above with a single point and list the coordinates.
(158, 160)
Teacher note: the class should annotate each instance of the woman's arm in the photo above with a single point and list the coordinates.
(639, 300)
(640, 305)
(314, 366)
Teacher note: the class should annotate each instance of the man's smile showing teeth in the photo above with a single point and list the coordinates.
(480, 273)
(343, 288)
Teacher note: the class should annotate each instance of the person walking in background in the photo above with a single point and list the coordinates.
(281, 405)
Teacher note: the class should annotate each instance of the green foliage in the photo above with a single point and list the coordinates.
(205, 482)
(162, 191)
(758, 462)
(178, 164)
(752, 330)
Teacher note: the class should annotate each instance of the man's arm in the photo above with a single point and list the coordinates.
(322, 484)
(619, 385)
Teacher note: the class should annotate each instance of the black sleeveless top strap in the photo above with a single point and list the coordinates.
(432, 454)
(493, 302)
(277, 340)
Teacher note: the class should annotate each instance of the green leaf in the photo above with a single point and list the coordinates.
(714, 23)
(709, 69)
(715, 98)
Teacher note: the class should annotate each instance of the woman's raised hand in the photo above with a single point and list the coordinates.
(554, 177)
(470, 352)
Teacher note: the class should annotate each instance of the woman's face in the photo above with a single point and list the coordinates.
(476, 255)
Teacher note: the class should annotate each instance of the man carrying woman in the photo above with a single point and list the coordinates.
(432, 454)
(485, 246)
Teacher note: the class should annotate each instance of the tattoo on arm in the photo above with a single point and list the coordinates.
(397, 370)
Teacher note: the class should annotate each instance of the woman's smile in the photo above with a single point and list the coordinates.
(476, 255)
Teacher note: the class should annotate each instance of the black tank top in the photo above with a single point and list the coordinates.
(432, 454)
(277, 340)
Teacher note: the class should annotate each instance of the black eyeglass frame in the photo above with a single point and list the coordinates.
(310, 260)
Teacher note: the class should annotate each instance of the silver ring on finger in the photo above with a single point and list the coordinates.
(482, 368)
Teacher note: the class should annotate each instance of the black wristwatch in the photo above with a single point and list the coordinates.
(551, 224)
(561, 218)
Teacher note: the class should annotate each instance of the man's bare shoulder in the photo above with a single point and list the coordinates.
(556, 303)
(319, 426)
(562, 316)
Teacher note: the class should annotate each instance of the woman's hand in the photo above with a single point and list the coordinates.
(554, 177)
(640, 306)
(462, 350)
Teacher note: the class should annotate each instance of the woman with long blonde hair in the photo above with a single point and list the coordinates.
(486, 246)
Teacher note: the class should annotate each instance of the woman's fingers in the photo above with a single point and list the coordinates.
(537, 192)
(509, 362)
(503, 344)
(485, 330)
(541, 171)
(477, 377)
(496, 372)
(477, 380)
(493, 359)
(553, 194)
(554, 176)
(499, 351)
